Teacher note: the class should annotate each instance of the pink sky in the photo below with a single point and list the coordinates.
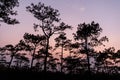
(105, 12)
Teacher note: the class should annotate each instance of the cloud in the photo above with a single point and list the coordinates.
(82, 9)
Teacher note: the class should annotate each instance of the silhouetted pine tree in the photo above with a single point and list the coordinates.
(48, 17)
(89, 35)
(12, 51)
(64, 43)
(103, 60)
(21, 60)
(32, 43)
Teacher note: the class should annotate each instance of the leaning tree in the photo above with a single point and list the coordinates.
(49, 18)
(32, 43)
(89, 35)
(12, 51)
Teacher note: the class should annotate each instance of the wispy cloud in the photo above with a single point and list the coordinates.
(82, 9)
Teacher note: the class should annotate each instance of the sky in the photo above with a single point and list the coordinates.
(72, 12)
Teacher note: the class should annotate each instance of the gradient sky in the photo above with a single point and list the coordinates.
(73, 12)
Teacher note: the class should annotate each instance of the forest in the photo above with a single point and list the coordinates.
(35, 57)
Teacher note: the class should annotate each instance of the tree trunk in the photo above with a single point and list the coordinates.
(61, 57)
(33, 55)
(20, 63)
(87, 53)
(46, 55)
(10, 61)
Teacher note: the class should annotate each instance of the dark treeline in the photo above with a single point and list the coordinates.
(35, 54)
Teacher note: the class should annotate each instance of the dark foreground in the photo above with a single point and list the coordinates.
(34, 75)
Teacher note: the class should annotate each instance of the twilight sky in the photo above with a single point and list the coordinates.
(72, 12)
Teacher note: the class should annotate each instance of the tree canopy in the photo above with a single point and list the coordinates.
(6, 11)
